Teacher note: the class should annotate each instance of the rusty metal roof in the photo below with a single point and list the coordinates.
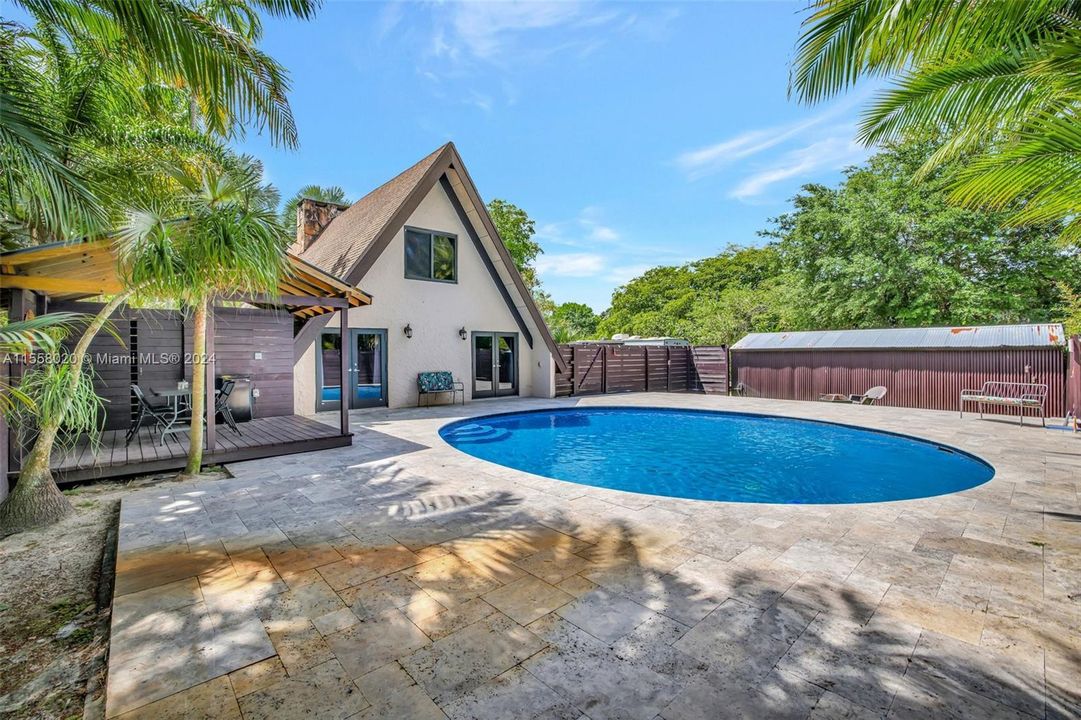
(936, 338)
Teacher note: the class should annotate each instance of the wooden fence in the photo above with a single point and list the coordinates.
(601, 368)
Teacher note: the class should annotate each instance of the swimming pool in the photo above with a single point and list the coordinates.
(709, 455)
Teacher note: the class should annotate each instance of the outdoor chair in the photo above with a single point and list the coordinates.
(221, 405)
(148, 414)
(1018, 395)
(870, 397)
(433, 383)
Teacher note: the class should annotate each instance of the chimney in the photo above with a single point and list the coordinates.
(312, 218)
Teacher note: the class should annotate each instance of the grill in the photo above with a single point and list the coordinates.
(241, 403)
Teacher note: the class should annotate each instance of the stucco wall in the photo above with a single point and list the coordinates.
(435, 311)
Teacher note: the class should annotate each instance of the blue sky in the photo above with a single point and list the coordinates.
(634, 134)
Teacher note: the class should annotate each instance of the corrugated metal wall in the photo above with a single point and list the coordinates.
(930, 379)
(1073, 378)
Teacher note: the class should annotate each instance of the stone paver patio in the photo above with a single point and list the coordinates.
(400, 578)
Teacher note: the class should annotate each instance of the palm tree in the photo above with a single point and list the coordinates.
(332, 193)
(41, 196)
(64, 398)
(224, 238)
(999, 80)
(94, 82)
(42, 334)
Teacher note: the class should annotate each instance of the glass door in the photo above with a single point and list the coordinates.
(506, 365)
(366, 365)
(328, 371)
(495, 364)
(483, 365)
(368, 369)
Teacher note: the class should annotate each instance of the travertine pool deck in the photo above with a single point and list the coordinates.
(400, 578)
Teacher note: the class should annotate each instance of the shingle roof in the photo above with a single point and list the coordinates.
(344, 241)
(947, 338)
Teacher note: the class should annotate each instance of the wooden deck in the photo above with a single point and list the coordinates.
(262, 437)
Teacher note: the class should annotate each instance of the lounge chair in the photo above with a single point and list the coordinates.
(870, 397)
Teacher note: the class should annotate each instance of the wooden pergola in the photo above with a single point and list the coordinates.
(90, 268)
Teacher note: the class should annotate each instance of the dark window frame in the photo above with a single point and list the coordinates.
(431, 254)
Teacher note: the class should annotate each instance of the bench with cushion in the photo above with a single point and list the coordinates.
(433, 383)
(1009, 394)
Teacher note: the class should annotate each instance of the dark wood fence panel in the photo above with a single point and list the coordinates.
(109, 362)
(711, 368)
(596, 368)
(565, 381)
(153, 346)
(929, 379)
(656, 369)
(241, 333)
(158, 346)
(626, 369)
(680, 370)
(588, 369)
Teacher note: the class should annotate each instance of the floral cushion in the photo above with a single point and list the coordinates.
(441, 381)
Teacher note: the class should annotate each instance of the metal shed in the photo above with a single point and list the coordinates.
(920, 367)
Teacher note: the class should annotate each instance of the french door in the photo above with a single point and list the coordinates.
(495, 364)
(366, 369)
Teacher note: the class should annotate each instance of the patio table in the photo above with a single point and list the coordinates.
(174, 395)
(836, 398)
(179, 399)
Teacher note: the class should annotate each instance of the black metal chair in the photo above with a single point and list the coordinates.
(221, 404)
(148, 414)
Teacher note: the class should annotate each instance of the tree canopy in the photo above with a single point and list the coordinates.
(516, 229)
(878, 250)
(1000, 79)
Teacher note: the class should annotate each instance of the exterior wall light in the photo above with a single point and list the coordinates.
(462, 333)
(408, 330)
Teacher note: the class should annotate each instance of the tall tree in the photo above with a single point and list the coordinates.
(221, 235)
(63, 399)
(883, 251)
(95, 88)
(516, 229)
(572, 321)
(999, 78)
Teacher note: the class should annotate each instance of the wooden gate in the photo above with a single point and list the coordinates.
(602, 368)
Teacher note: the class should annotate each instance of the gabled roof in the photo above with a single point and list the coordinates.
(352, 242)
(349, 236)
(935, 338)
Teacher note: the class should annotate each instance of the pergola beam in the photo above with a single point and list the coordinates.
(59, 285)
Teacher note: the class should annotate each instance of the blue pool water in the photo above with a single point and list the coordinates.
(707, 455)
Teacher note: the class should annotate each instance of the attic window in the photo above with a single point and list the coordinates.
(431, 256)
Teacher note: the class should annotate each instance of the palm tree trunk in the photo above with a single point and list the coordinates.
(36, 500)
(198, 388)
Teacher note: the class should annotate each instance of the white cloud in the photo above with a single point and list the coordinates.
(570, 265)
(603, 233)
(831, 153)
(389, 18)
(495, 32)
(486, 29)
(710, 159)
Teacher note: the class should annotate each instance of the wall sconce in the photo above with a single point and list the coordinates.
(462, 333)
(408, 331)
